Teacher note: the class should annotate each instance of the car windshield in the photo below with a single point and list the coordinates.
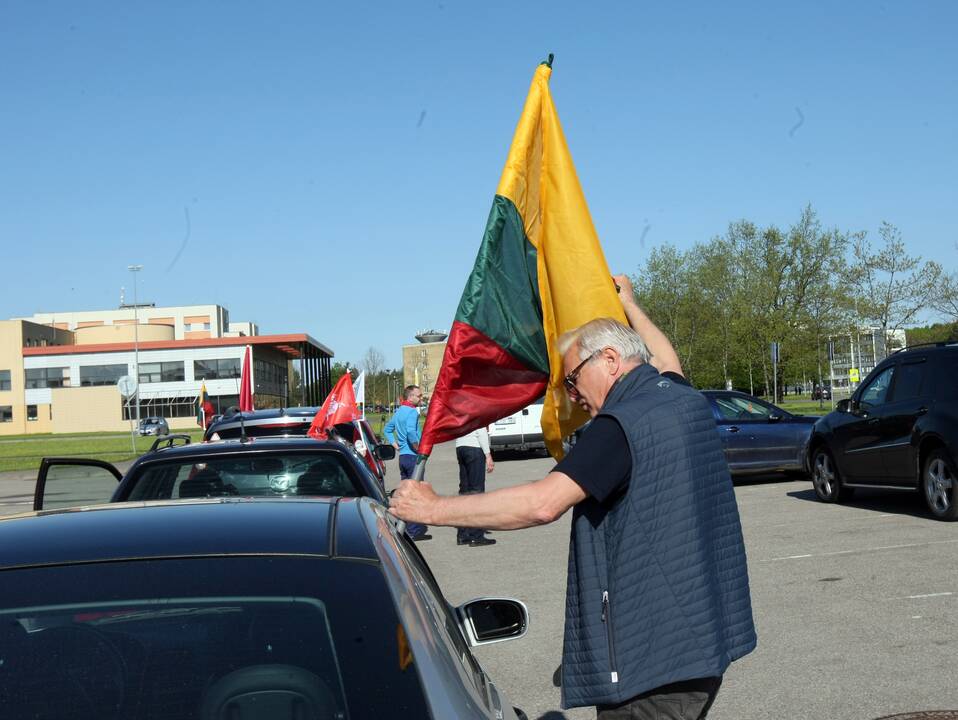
(204, 638)
(254, 474)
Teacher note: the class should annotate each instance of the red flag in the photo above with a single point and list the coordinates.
(246, 384)
(339, 407)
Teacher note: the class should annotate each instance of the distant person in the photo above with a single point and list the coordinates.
(475, 460)
(657, 594)
(403, 432)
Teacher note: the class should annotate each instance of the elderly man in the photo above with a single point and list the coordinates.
(657, 602)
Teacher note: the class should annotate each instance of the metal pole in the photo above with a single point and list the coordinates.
(136, 342)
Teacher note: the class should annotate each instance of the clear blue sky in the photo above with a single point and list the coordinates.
(337, 161)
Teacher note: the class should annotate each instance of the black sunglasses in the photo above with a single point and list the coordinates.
(570, 379)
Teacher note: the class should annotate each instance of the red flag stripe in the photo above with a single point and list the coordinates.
(480, 383)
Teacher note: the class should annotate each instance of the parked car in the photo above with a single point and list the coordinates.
(520, 431)
(242, 608)
(758, 437)
(898, 430)
(154, 426)
(295, 422)
(268, 467)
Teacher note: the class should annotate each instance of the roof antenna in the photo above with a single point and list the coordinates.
(243, 438)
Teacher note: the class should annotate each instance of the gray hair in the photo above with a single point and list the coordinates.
(605, 332)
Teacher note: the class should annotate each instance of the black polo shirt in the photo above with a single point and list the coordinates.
(600, 462)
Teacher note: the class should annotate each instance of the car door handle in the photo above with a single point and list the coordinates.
(873, 421)
(732, 428)
(921, 411)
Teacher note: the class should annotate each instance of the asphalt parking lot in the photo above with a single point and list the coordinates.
(854, 604)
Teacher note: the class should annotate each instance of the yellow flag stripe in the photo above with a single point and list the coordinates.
(574, 280)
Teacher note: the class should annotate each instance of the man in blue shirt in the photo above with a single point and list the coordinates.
(403, 432)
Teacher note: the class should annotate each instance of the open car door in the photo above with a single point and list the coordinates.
(70, 482)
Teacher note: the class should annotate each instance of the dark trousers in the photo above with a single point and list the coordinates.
(472, 479)
(685, 700)
(407, 463)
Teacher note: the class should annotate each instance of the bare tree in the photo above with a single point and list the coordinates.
(373, 362)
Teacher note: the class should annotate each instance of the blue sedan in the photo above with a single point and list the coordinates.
(759, 438)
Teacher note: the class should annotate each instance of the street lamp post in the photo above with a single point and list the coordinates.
(136, 341)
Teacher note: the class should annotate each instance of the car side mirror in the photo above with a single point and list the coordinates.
(844, 405)
(491, 620)
(384, 452)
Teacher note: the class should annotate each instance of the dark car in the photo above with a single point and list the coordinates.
(295, 422)
(758, 437)
(898, 430)
(255, 467)
(154, 426)
(236, 608)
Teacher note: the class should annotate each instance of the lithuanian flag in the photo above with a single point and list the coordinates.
(540, 272)
(200, 400)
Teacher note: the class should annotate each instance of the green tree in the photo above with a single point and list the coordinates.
(892, 286)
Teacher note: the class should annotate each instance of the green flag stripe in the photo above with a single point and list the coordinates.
(501, 298)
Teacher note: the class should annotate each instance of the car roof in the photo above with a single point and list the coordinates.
(250, 444)
(321, 527)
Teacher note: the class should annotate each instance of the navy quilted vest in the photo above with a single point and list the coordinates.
(658, 583)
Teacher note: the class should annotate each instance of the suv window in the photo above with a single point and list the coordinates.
(947, 372)
(909, 381)
(876, 391)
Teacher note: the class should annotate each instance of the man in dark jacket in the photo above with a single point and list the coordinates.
(657, 602)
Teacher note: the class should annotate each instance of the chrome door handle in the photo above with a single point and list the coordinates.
(732, 428)
(921, 411)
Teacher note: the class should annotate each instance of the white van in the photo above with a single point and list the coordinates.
(519, 431)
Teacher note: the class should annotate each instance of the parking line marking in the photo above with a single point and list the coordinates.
(863, 550)
(928, 595)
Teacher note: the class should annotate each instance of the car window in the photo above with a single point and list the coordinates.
(947, 372)
(909, 380)
(876, 391)
(443, 615)
(315, 474)
(734, 407)
(170, 639)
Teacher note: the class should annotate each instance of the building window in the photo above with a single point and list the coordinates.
(271, 378)
(47, 378)
(206, 326)
(4, 380)
(216, 369)
(91, 375)
(162, 372)
(6, 413)
(183, 406)
(31, 412)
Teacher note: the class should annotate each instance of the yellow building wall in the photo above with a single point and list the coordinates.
(101, 334)
(427, 359)
(44, 421)
(11, 358)
(88, 409)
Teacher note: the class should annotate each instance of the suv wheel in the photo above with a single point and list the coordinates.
(940, 489)
(825, 478)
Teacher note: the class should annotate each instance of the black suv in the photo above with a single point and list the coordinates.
(898, 431)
